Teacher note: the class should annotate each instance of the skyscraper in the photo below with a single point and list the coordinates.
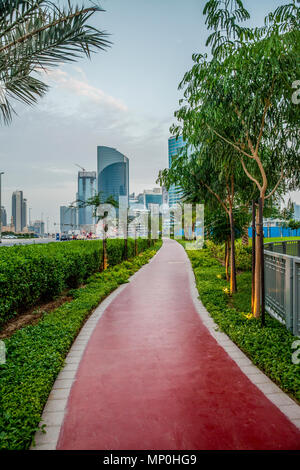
(296, 211)
(165, 196)
(86, 190)
(175, 145)
(67, 219)
(24, 213)
(19, 207)
(113, 173)
(152, 196)
(3, 217)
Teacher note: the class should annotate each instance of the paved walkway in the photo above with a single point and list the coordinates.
(153, 377)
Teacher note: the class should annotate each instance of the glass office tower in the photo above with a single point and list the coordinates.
(296, 211)
(86, 190)
(153, 197)
(67, 219)
(113, 173)
(17, 210)
(3, 217)
(175, 145)
(24, 213)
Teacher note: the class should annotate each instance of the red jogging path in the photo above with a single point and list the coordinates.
(153, 378)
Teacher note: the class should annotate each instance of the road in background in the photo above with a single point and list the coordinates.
(25, 241)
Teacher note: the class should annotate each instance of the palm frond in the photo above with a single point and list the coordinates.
(38, 34)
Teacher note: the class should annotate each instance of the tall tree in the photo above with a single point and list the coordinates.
(211, 175)
(95, 202)
(249, 84)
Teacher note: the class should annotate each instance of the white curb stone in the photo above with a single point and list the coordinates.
(280, 399)
(56, 406)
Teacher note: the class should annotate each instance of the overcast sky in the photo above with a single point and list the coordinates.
(123, 98)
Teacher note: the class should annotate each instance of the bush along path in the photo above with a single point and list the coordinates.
(35, 354)
(270, 347)
(153, 376)
(38, 273)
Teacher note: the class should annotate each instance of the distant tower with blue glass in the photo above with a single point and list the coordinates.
(175, 192)
(113, 173)
(86, 190)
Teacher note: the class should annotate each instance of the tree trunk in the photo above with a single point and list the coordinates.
(245, 237)
(257, 272)
(262, 268)
(227, 257)
(258, 261)
(233, 285)
(253, 255)
(104, 261)
(194, 236)
(125, 249)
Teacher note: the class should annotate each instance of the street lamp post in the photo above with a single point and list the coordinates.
(1, 173)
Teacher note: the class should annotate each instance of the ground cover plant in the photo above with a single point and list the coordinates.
(36, 353)
(268, 347)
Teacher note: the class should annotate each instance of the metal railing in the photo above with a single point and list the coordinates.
(282, 282)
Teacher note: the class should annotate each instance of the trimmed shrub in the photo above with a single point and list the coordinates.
(36, 273)
(36, 353)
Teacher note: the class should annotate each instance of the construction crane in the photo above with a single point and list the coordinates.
(79, 166)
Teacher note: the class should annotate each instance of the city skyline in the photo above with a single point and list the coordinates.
(114, 100)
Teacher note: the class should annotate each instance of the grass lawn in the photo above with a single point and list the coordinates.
(279, 239)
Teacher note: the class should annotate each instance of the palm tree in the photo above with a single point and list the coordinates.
(36, 35)
(94, 202)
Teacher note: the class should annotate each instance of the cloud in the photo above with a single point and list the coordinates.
(41, 147)
(82, 88)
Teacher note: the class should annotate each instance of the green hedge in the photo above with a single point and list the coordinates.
(270, 347)
(243, 254)
(35, 354)
(34, 273)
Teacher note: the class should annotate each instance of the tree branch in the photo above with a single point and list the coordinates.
(267, 105)
(250, 176)
(232, 144)
(276, 186)
(217, 197)
(250, 144)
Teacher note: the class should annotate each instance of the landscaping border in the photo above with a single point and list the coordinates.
(55, 408)
(36, 353)
(280, 399)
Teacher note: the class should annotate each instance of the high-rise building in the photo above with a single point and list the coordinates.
(153, 196)
(296, 211)
(175, 144)
(165, 196)
(86, 190)
(67, 219)
(3, 217)
(38, 227)
(113, 173)
(24, 213)
(19, 206)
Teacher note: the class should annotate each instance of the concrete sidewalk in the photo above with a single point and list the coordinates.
(150, 372)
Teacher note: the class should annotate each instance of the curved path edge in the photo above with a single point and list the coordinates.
(54, 411)
(280, 399)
